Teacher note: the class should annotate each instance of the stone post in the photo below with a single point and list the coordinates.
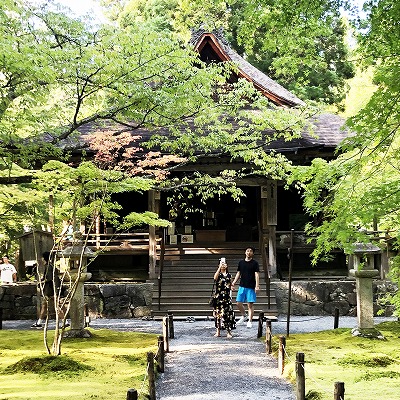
(77, 254)
(364, 271)
(76, 312)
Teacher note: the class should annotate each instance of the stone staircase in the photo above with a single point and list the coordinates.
(188, 279)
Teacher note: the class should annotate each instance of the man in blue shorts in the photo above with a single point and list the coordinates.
(248, 273)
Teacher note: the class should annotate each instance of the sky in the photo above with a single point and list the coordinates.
(81, 7)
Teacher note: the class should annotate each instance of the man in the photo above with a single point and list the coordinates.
(49, 276)
(248, 273)
(8, 272)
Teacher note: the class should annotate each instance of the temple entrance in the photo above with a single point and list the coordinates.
(220, 219)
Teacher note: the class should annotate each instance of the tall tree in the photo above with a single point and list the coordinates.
(60, 74)
(302, 45)
(360, 190)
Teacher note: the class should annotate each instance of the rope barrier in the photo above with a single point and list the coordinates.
(307, 373)
(140, 391)
(310, 319)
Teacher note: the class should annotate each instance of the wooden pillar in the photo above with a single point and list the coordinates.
(269, 206)
(51, 212)
(97, 227)
(153, 206)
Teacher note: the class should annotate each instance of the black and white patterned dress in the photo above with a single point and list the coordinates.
(223, 312)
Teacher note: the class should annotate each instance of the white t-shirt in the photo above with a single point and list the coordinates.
(7, 271)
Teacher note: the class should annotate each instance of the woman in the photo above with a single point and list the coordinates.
(223, 312)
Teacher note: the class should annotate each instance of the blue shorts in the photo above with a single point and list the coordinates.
(246, 295)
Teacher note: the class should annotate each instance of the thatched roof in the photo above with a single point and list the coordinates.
(327, 133)
(214, 47)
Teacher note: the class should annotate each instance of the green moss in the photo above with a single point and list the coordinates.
(337, 356)
(313, 395)
(140, 358)
(116, 361)
(370, 376)
(372, 360)
(48, 364)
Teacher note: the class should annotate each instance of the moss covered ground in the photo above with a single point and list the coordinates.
(102, 367)
(369, 368)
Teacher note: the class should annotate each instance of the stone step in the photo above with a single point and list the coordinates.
(175, 298)
(208, 313)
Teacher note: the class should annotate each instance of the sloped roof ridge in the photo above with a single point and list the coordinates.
(257, 76)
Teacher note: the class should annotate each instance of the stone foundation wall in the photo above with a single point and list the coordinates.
(134, 300)
(322, 297)
(121, 300)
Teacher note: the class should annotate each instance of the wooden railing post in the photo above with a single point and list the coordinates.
(165, 333)
(150, 374)
(87, 317)
(161, 265)
(268, 337)
(264, 261)
(132, 394)
(161, 354)
(300, 377)
(339, 391)
(290, 282)
(281, 355)
(260, 324)
(171, 325)
(336, 322)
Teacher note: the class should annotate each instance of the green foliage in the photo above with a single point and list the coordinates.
(360, 190)
(63, 73)
(302, 47)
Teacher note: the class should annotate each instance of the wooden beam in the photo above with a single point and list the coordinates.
(269, 211)
(154, 206)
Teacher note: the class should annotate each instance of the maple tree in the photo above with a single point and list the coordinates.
(359, 191)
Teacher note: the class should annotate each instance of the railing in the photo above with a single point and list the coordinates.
(267, 273)
(117, 239)
(161, 265)
(122, 240)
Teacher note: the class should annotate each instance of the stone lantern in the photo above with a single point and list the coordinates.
(78, 272)
(364, 271)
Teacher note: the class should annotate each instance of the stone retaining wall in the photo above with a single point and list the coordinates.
(121, 300)
(322, 297)
(134, 300)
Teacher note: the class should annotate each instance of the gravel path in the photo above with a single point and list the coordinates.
(202, 367)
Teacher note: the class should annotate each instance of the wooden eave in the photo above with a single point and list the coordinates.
(207, 38)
